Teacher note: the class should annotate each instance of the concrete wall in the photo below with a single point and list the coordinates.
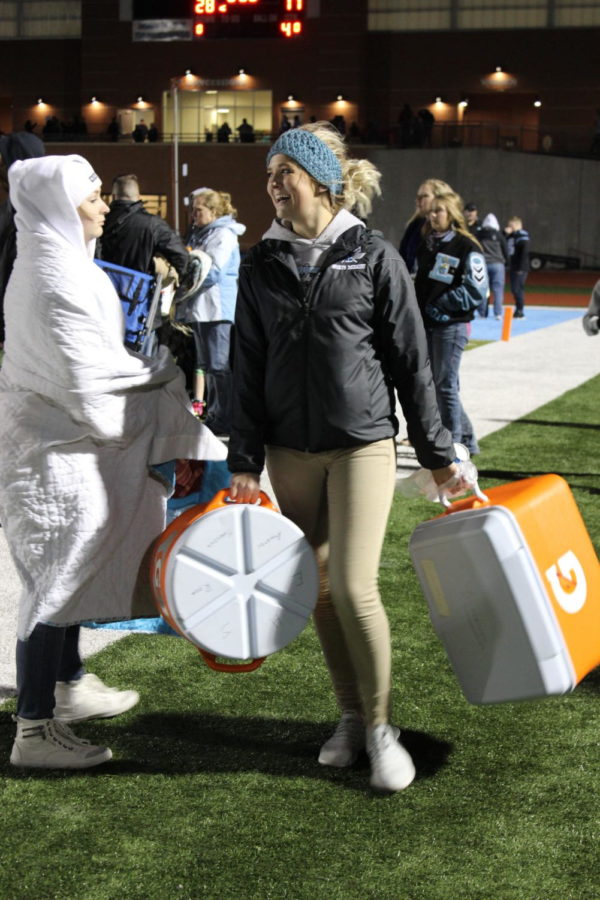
(556, 197)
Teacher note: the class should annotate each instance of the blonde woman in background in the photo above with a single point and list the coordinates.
(451, 283)
(327, 325)
(210, 312)
(413, 234)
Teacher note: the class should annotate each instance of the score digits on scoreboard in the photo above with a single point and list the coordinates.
(248, 18)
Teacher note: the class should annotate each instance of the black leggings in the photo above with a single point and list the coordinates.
(50, 654)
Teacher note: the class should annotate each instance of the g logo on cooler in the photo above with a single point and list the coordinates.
(568, 582)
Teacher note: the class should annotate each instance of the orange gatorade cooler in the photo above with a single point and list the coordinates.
(513, 588)
(239, 581)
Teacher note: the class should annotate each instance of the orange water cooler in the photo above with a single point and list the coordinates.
(239, 581)
(513, 588)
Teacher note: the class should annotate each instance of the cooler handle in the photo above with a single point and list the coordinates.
(211, 661)
(447, 504)
(223, 498)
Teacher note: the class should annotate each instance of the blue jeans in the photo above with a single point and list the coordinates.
(496, 276)
(213, 346)
(517, 286)
(446, 344)
(49, 655)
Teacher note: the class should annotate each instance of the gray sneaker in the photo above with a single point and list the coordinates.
(392, 769)
(90, 698)
(48, 744)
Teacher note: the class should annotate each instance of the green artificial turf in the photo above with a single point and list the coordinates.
(472, 344)
(214, 791)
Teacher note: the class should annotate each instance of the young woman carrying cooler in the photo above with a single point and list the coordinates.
(327, 326)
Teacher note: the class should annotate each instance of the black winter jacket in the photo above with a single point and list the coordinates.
(132, 236)
(315, 369)
(518, 250)
(451, 279)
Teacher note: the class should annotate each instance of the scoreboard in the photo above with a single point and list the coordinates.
(224, 18)
(248, 18)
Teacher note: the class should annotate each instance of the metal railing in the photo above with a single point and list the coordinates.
(568, 141)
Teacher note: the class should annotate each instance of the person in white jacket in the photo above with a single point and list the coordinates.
(83, 421)
(211, 311)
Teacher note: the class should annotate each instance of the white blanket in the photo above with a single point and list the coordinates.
(81, 420)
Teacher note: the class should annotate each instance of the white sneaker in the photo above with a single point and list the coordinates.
(347, 741)
(392, 769)
(48, 744)
(90, 698)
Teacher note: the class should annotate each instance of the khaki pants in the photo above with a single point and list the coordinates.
(341, 500)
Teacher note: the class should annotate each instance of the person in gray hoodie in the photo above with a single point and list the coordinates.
(327, 326)
(19, 145)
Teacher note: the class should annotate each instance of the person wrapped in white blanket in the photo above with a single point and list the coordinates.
(83, 421)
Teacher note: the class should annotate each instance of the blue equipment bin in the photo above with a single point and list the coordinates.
(139, 294)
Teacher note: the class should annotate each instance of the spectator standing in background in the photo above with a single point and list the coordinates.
(210, 311)
(140, 132)
(451, 283)
(591, 319)
(517, 240)
(133, 237)
(595, 145)
(113, 129)
(412, 236)
(495, 252)
(406, 123)
(424, 128)
(246, 132)
(223, 133)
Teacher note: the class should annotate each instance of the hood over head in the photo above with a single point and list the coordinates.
(20, 145)
(491, 221)
(46, 192)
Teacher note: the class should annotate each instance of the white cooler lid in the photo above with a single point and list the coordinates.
(489, 607)
(241, 581)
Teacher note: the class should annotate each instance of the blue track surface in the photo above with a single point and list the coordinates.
(490, 329)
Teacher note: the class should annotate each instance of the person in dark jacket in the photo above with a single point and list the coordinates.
(133, 237)
(326, 327)
(412, 237)
(451, 283)
(19, 145)
(518, 250)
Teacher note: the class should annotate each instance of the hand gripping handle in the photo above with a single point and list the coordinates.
(447, 504)
(223, 498)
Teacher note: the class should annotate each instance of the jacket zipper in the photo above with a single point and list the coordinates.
(307, 304)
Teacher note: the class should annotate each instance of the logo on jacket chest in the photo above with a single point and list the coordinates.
(352, 261)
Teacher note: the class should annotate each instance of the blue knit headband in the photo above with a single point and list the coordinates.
(312, 154)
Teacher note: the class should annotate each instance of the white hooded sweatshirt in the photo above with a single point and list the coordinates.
(81, 416)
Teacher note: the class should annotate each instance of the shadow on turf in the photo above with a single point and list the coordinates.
(178, 744)
(591, 425)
